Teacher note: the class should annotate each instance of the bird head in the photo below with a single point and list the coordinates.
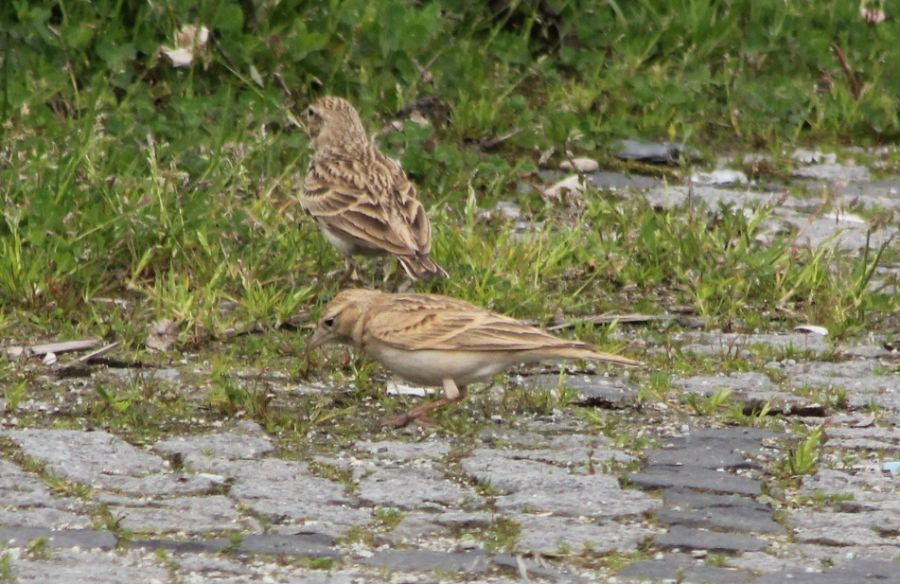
(333, 121)
(339, 320)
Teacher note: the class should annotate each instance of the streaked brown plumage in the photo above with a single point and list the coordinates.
(436, 340)
(361, 199)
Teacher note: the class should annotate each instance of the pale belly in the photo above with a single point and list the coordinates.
(348, 246)
(432, 367)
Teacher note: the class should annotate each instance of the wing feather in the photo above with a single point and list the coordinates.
(367, 197)
(429, 322)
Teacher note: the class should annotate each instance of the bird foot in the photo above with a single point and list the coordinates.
(403, 420)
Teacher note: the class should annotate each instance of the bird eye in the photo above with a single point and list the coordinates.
(310, 112)
(328, 322)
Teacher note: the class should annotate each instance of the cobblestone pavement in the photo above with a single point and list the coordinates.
(687, 498)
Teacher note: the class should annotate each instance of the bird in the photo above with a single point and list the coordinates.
(435, 340)
(362, 200)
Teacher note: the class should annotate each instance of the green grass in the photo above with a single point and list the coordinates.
(133, 191)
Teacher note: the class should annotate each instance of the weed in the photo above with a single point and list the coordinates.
(38, 549)
(708, 404)
(388, 518)
(7, 572)
(803, 458)
(501, 535)
(14, 394)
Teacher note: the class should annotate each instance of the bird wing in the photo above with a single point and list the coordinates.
(430, 322)
(369, 199)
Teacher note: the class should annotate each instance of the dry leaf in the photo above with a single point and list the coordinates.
(580, 164)
(162, 336)
(813, 329)
(571, 184)
(188, 40)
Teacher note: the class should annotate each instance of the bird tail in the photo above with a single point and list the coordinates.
(591, 355)
(421, 266)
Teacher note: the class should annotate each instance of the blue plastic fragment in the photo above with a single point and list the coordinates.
(891, 466)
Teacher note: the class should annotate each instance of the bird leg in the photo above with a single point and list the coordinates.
(419, 415)
(350, 272)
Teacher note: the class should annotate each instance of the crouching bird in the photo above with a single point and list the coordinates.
(440, 341)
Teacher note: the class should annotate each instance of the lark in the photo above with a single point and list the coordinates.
(439, 341)
(362, 200)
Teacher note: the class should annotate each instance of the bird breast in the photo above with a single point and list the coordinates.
(430, 367)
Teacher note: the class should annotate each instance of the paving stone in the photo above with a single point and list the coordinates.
(534, 486)
(687, 499)
(825, 555)
(181, 546)
(673, 196)
(618, 181)
(846, 529)
(577, 451)
(593, 390)
(683, 569)
(753, 388)
(687, 538)
(551, 535)
(289, 494)
(734, 519)
(183, 514)
(764, 563)
(871, 438)
(656, 152)
(464, 519)
(613, 181)
(105, 461)
(216, 445)
(396, 450)
(207, 569)
(883, 193)
(412, 488)
(85, 567)
(705, 456)
(84, 457)
(716, 343)
(19, 488)
(709, 384)
(862, 381)
(869, 487)
(854, 571)
(62, 538)
(738, 438)
(210, 568)
(415, 527)
(161, 484)
(44, 517)
(472, 562)
(418, 526)
(695, 478)
(298, 545)
(833, 172)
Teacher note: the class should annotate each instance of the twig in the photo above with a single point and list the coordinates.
(852, 79)
(63, 347)
(609, 318)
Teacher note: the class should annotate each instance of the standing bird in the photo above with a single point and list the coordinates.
(440, 341)
(361, 199)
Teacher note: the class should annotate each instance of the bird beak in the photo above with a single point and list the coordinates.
(319, 338)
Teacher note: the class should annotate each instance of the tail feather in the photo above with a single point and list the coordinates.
(421, 266)
(591, 355)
